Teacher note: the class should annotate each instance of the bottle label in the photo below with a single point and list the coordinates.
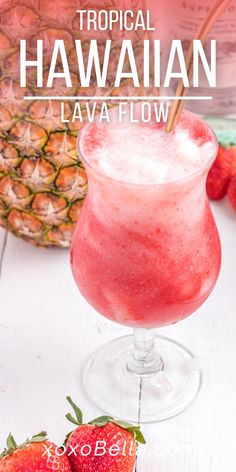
(186, 18)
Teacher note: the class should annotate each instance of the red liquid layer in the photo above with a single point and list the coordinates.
(146, 256)
(145, 275)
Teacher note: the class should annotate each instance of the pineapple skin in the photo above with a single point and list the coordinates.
(42, 179)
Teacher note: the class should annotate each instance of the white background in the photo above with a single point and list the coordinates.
(47, 331)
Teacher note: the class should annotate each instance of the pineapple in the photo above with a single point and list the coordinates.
(42, 180)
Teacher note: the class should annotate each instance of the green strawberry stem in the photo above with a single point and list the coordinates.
(37, 438)
(13, 446)
(103, 421)
(78, 413)
(11, 443)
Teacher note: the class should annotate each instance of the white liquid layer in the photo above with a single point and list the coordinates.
(146, 154)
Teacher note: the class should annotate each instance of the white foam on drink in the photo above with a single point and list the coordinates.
(146, 154)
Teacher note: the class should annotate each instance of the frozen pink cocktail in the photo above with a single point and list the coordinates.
(146, 251)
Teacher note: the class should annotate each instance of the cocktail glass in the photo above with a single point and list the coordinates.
(145, 255)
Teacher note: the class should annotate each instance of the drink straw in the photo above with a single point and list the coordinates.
(202, 34)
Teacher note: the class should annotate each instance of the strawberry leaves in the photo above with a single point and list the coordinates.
(135, 430)
(78, 413)
(13, 446)
(11, 443)
(102, 421)
(37, 438)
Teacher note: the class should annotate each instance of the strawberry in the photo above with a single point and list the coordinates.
(34, 455)
(232, 192)
(102, 445)
(217, 183)
(226, 159)
(221, 172)
(232, 153)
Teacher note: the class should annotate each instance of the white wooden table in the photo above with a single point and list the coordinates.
(47, 331)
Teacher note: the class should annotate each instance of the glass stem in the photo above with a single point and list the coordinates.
(145, 359)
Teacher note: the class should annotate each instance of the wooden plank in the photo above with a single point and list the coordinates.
(47, 331)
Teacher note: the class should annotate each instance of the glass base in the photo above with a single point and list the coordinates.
(142, 398)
